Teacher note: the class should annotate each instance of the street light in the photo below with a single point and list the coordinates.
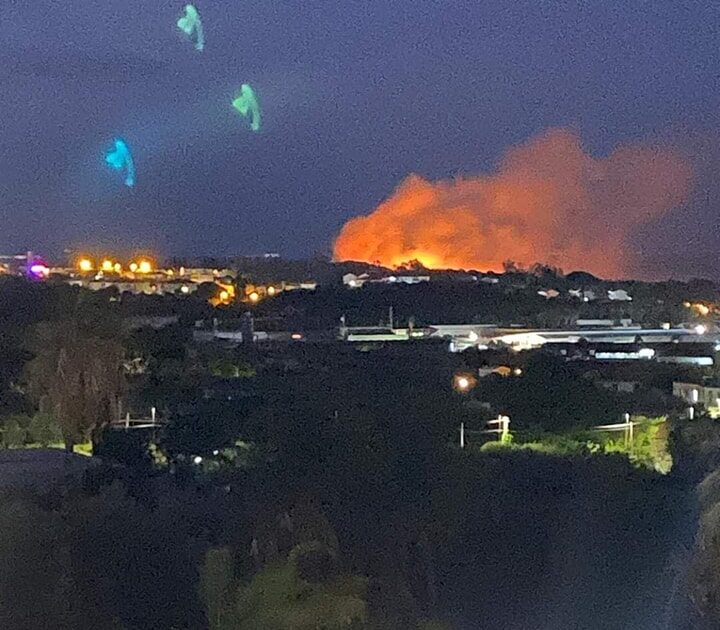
(463, 383)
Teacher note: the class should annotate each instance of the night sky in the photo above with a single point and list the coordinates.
(355, 95)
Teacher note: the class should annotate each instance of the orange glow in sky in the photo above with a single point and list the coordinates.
(548, 202)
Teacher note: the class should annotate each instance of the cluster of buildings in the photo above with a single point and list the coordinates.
(612, 353)
(588, 295)
(355, 281)
(600, 341)
(142, 276)
(589, 339)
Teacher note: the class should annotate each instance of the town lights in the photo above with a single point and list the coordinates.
(107, 266)
(141, 266)
(85, 265)
(254, 297)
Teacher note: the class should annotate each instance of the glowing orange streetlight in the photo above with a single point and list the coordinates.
(463, 383)
(85, 265)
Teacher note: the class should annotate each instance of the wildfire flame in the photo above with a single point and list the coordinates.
(549, 202)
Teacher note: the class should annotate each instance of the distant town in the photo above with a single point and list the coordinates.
(598, 324)
(290, 393)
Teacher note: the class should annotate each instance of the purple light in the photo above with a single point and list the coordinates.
(39, 271)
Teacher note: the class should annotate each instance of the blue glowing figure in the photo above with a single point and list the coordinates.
(119, 158)
(246, 103)
(191, 25)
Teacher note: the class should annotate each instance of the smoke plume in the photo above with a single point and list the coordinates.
(548, 202)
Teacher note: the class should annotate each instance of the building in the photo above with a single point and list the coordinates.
(707, 396)
(603, 323)
(15, 264)
(354, 281)
(149, 286)
(529, 338)
(619, 295)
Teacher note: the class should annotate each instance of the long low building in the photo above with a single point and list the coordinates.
(464, 336)
(535, 338)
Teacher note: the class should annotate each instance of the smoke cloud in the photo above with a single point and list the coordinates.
(548, 202)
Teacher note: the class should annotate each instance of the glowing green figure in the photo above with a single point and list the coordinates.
(119, 158)
(191, 25)
(246, 103)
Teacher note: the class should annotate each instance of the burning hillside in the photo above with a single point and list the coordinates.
(549, 202)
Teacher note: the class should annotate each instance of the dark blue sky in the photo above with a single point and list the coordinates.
(355, 96)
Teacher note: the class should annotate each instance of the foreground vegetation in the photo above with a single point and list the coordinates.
(321, 487)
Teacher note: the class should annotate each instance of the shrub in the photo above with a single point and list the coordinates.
(315, 562)
(14, 435)
(44, 430)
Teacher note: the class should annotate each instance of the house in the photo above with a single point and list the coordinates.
(354, 281)
(548, 293)
(584, 295)
(702, 395)
(403, 279)
(619, 295)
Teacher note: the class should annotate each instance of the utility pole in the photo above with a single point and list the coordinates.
(343, 327)
(462, 435)
(505, 428)
(391, 318)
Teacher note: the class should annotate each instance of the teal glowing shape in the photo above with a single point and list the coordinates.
(119, 158)
(191, 25)
(246, 103)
